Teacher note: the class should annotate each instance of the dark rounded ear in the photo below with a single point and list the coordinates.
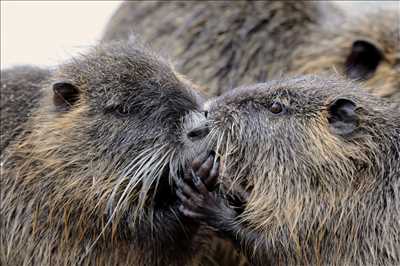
(343, 119)
(363, 60)
(65, 94)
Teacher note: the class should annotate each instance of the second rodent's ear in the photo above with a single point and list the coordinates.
(342, 116)
(363, 60)
(65, 95)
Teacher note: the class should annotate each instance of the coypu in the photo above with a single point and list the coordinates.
(319, 161)
(89, 180)
(223, 45)
(20, 92)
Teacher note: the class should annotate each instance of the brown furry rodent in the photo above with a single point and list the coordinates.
(90, 180)
(320, 164)
(225, 44)
(20, 93)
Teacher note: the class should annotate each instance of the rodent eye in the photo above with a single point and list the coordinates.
(117, 110)
(121, 111)
(276, 108)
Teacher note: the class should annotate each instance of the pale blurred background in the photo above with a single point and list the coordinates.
(48, 32)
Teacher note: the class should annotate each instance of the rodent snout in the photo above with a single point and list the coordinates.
(198, 132)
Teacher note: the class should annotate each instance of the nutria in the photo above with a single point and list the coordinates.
(90, 179)
(319, 161)
(20, 93)
(224, 44)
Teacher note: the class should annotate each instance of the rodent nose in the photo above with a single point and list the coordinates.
(198, 133)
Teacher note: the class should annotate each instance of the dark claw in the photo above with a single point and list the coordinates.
(199, 161)
(196, 178)
(201, 187)
(205, 168)
(212, 179)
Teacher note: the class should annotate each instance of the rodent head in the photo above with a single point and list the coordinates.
(108, 133)
(302, 141)
(364, 48)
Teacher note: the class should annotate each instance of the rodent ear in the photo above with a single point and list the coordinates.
(343, 119)
(65, 94)
(363, 60)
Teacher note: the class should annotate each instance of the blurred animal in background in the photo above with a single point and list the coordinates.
(225, 44)
(20, 93)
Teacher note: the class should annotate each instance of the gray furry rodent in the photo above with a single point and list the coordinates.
(20, 92)
(89, 180)
(319, 161)
(223, 45)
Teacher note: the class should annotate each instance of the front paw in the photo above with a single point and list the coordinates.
(205, 168)
(194, 204)
(198, 202)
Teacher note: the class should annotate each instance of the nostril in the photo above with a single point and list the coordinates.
(198, 133)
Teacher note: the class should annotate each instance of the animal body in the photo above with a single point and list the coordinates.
(20, 93)
(88, 180)
(319, 162)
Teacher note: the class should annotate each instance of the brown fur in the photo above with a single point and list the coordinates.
(316, 197)
(228, 44)
(91, 185)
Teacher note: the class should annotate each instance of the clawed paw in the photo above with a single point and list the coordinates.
(198, 199)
